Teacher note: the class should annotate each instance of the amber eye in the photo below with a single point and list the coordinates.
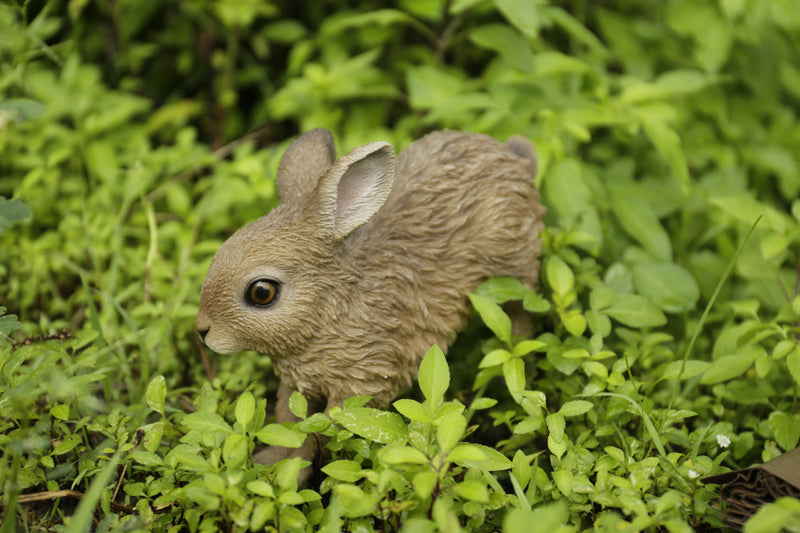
(262, 292)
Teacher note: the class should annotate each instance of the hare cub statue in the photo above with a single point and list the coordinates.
(368, 260)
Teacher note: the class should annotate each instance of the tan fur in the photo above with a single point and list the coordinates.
(377, 267)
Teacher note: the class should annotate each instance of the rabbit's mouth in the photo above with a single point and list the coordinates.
(221, 346)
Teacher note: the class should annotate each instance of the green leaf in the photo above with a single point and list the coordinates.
(147, 458)
(472, 490)
(245, 409)
(285, 31)
(235, 449)
(785, 429)
(188, 457)
(286, 475)
(68, 444)
(494, 358)
(728, 367)
(482, 403)
(668, 142)
(748, 209)
(344, 470)
(434, 376)
(502, 289)
(374, 424)
(564, 480)
(576, 29)
(529, 425)
(261, 488)
(535, 302)
(354, 501)
(211, 483)
(152, 435)
(598, 323)
(667, 285)
(523, 15)
(793, 363)
(763, 365)
(316, 423)
(377, 17)
(449, 430)
(521, 468)
(395, 455)
(204, 422)
(557, 447)
(20, 110)
(493, 316)
(278, 435)
(670, 84)
(8, 323)
(442, 94)
(692, 368)
(595, 368)
(298, 405)
(11, 212)
(567, 192)
(560, 276)
(356, 401)
(551, 518)
(712, 34)
(556, 425)
(424, 483)
(156, 394)
(60, 411)
(413, 410)
(630, 309)
(514, 373)
(574, 321)
(527, 346)
(575, 408)
(466, 454)
(510, 45)
(781, 515)
(639, 220)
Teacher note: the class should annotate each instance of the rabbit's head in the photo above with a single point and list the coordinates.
(275, 283)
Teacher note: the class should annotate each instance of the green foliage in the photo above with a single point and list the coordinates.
(664, 345)
(782, 515)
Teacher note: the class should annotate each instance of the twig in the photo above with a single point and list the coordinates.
(139, 437)
(55, 494)
(204, 358)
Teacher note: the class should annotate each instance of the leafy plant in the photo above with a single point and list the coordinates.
(664, 341)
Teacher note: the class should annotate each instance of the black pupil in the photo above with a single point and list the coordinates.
(262, 292)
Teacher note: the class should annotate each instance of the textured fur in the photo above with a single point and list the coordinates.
(376, 257)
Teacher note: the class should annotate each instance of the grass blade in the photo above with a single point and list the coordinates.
(707, 310)
(81, 521)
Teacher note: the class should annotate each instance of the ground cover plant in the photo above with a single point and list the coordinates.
(136, 136)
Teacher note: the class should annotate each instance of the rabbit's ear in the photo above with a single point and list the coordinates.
(301, 166)
(356, 187)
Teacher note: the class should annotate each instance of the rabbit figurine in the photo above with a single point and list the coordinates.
(368, 261)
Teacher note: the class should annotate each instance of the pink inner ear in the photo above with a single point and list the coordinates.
(359, 189)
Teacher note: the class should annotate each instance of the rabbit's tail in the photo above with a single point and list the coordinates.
(524, 149)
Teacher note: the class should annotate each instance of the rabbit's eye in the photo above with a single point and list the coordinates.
(262, 292)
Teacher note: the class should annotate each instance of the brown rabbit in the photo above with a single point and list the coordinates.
(368, 261)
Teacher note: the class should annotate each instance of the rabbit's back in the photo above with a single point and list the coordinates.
(460, 201)
(463, 208)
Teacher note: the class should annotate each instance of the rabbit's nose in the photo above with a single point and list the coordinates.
(203, 333)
